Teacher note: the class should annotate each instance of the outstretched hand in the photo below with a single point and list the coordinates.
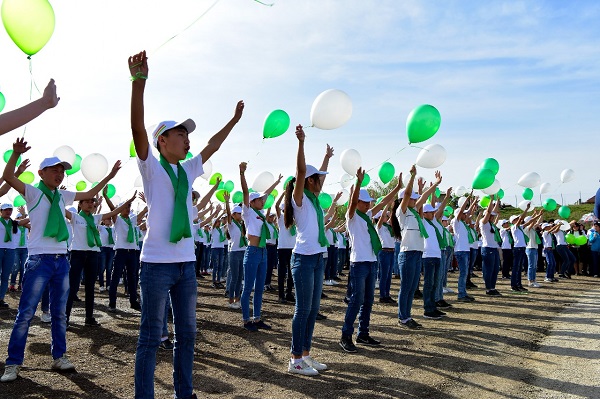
(24, 165)
(239, 110)
(329, 152)
(20, 146)
(49, 96)
(138, 64)
(115, 169)
(300, 135)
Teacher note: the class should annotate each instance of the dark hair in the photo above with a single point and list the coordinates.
(15, 226)
(288, 210)
(395, 223)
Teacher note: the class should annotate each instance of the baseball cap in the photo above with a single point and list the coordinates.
(527, 219)
(513, 218)
(254, 195)
(544, 225)
(52, 161)
(378, 215)
(6, 206)
(364, 196)
(236, 209)
(311, 170)
(445, 218)
(414, 195)
(163, 126)
(428, 208)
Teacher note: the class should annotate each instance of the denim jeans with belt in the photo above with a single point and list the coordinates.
(386, 263)
(490, 266)
(462, 258)
(362, 276)
(409, 263)
(255, 271)
(307, 273)
(431, 276)
(41, 271)
(532, 259)
(551, 263)
(158, 282)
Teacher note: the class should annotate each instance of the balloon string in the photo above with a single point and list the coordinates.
(259, 150)
(31, 85)
(265, 4)
(381, 163)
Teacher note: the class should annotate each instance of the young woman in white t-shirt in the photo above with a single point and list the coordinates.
(285, 245)
(237, 249)
(490, 248)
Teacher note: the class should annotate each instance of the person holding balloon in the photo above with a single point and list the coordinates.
(490, 255)
(533, 243)
(520, 243)
(566, 256)
(548, 229)
(168, 256)
(462, 246)
(594, 240)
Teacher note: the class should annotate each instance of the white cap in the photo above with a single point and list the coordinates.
(47, 162)
(513, 218)
(444, 218)
(311, 170)
(163, 126)
(72, 210)
(544, 225)
(502, 222)
(254, 195)
(429, 208)
(414, 195)
(236, 209)
(527, 219)
(364, 196)
(18, 215)
(6, 206)
(457, 212)
(378, 215)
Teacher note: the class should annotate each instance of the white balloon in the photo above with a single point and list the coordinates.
(208, 167)
(65, 153)
(567, 175)
(94, 167)
(493, 189)
(545, 188)
(530, 180)
(461, 201)
(263, 181)
(565, 225)
(116, 199)
(138, 181)
(331, 109)
(523, 204)
(351, 161)
(12, 194)
(406, 179)
(346, 181)
(460, 191)
(432, 156)
(344, 198)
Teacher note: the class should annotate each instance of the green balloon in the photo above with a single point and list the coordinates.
(221, 185)
(237, 197)
(483, 179)
(422, 123)
(132, 152)
(29, 23)
(386, 172)
(27, 177)
(213, 178)
(219, 194)
(500, 194)
(110, 190)
(81, 185)
(437, 192)
(2, 101)
(581, 240)
(189, 155)
(276, 124)
(228, 186)
(378, 200)
(75, 167)
(528, 194)
(19, 201)
(274, 193)
(491, 164)
(7, 156)
(484, 201)
(287, 181)
(570, 239)
(325, 200)
(366, 180)
(549, 204)
(448, 211)
(269, 202)
(564, 212)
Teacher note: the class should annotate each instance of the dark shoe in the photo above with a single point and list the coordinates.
(555, 280)
(261, 325)
(471, 285)
(3, 304)
(367, 340)
(281, 300)
(474, 275)
(200, 276)
(347, 344)
(250, 326)
(432, 315)
(568, 275)
(112, 309)
(493, 293)
(443, 304)
(166, 345)
(321, 316)
(466, 298)
(410, 324)
(439, 313)
(346, 300)
(77, 299)
(523, 288)
(90, 321)
(290, 297)
(386, 300)
(136, 306)
(323, 296)
(418, 294)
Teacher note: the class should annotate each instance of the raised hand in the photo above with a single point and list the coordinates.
(226, 195)
(360, 175)
(239, 110)
(337, 197)
(49, 96)
(438, 177)
(243, 167)
(300, 135)
(329, 152)
(24, 165)
(20, 146)
(115, 169)
(142, 197)
(448, 192)
(138, 65)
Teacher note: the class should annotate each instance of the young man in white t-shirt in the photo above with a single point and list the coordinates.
(167, 258)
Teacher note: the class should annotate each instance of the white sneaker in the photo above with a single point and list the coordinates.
(327, 282)
(534, 284)
(102, 289)
(314, 364)
(62, 364)
(10, 373)
(547, 280)
(45, 317)
(447, 290)
(301, 368)
(235, 305)
(333, 282)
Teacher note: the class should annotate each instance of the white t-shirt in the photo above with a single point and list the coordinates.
(272, 240)
(307, 227)
(195, 231)
(532, 234)
(215, 238)
(253, 221)
(362, 250)
(79, 224)
(12, 244)
(104, 235)
(387, 240)
(432, 245)
(341, 242)
(461, 235)
(329, 236)
(120, 233)
(488, 238)
(504, 234)
(560, 238)
(235, 233)
(286, 239)
(547, 239)
(160, 197)
(39, 207)
(518, 236)
(411, 235)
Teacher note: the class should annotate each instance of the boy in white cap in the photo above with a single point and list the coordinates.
(47, 264)
(167, 258)
(547, 230)
(533, 242)
(462, 248)
(520, 243)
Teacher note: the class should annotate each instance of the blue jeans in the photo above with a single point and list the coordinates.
(330, 267)
(19, 266)
(199, 252)
(551, 263)
(130, 260)
(206, 257)
(363, 276)
(472, 259)
(86, 261)
(236, 273)
(518, 259)
(7, 262)
(216, 263)
(41, 271)
(386, 261)
(443, 275)
(490, 266)
(105, 264)
(409, 264)
(255, 271)
(567, 257)
(396, 269)
(532, 259)
(341, 259)
(271, 262)
(431, 276)
(462, 258)
(307, 273)
(158, 282)
(284, 272)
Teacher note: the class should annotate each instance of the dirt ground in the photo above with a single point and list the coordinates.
(542, 344)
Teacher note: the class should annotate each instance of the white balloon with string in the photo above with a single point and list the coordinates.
(350, 160)
(94, 167)
(432, 156)
(523, 204)
(331, 109)
(530, 180)
(545, 188)
(494, 188)
(567, 175)
(460, 191)
(263, 181)
(346, 181)
(65, 153)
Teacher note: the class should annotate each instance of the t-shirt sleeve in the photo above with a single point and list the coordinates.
(148, 166)
(32, 193)
(193, 167)
(68, 196)
(97, 219)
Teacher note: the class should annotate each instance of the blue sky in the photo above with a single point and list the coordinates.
(514, 80)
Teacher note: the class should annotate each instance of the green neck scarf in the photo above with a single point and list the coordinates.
(265, 234)
(180, 224)
(208, 237)
(538, 240)
(496, 233)
(111, 239)
(56, 227)
(275, 231)
(345, 241)
(440, 237)
(420, 222)
(200, 233)
(93, 235)
(293, 230)
(243, 240)
(387, 225)
(471, 239)
(315, 202)
(221, 234)
(129, 230)
(375, 241)
(511, 239)
(450, 239)
(525, 236)
(22, 237)
(7, 229)
(334, 234)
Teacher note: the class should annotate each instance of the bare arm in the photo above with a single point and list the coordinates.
(269, 190)
(244, 184)
(300, 167)
(278, 204)
(19, 147)
(139, 63)
(408, 190)
(389, 196)
(117, 210)
(440, 212)
(215, 142)
(202, 203)
(325, 164)
(360, 175)
(226, 196)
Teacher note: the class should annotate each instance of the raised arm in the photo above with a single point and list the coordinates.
(138, 69)
(360, 175)
(440, 212)
(300, 167)
(117, 210)
(226, 196)
(332, 208)
(488, 212)
(389, 198)
(202, 203)
(325, 164)
(408, 190)
(423, 198)
(244, 184)
(20, 169)
(278, 204)
(91, 193)
(270, 189)
(106, 199)
(214, 143)
(19, 147)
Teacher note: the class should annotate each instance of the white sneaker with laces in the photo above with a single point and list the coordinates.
(534, 284)
(314, 364)
(327, 282)
(45, 317)
(10, 373)
(447, 290)
(62, 364)
(301, 368)
(547, 280)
